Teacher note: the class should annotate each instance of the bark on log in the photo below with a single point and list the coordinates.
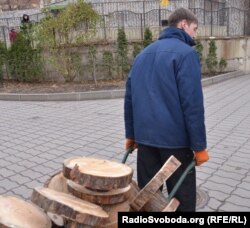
(69, 206)
(109, 197)
(97, 174)
(15, 212)
(157, 181)
(112, 210)
(58, 183)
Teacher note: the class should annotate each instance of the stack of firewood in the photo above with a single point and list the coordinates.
(88, 192)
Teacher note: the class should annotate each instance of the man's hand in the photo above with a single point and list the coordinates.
(130, 143)
(201, 157)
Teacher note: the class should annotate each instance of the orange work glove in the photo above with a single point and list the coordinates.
(130, 143)
(201, 157)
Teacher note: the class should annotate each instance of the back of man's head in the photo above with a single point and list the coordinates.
(181, 14)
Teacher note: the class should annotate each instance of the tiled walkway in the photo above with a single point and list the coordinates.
(35, 138)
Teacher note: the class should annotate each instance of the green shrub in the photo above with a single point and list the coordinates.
(136, 49)
(199, 49)
(92, 61)
(108, 62)
(148, 37)
(24, 62)
(211, 60)
(73, 25)
(222, 64)
(3, 57)
(122, 53)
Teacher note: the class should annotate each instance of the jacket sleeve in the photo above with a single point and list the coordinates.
(191, 99)
(128, 111)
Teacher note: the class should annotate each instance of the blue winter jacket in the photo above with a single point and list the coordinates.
(164, 101)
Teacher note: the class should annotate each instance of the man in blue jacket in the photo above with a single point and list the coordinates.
(163, 109)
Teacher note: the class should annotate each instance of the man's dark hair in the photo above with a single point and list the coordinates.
(181, 14)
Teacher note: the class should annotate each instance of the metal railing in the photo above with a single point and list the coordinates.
(216, 18)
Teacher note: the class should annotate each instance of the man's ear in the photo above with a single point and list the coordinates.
(181, 25)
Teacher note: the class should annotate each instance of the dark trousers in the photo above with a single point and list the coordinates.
(151, 159)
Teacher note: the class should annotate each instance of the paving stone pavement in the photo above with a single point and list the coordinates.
(35, 138)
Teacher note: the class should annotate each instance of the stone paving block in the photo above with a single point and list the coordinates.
(31, 174)
(19, 179)
(241, 193)
(210, 185)
(96, 128)
(227, 207)
(13, 159)
(205, 209)
(240, 201)
(225, 180)
(26, 164)
(56, 152)
(23, 192)
(33, 184)
(2, 191)
(227, 174)
(238, 165)
(238, 170)
(47, 156)
(213, 203)
(37, 160)
(6, 172)
(220, 196)
(8, 184)
(52, 165)
(16, 168)
(44, 178)
(5, 163)
(245, 185)
(42, 169)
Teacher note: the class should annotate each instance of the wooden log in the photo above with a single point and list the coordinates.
(69, 206)
(57, 182)
(172, 205)
(156, 182)
(15, 212)
(112, 210)
(97, 174)
(108, 197)
(157, 203)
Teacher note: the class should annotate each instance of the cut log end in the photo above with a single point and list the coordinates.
(15, 212)
(97, 174)
(69, 206)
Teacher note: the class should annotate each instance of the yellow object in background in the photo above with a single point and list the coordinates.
(164, 2)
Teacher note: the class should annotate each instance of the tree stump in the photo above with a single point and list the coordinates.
(97, 174)
(15, 212)
(69, 207)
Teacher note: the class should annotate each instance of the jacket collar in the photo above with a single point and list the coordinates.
(172, 32)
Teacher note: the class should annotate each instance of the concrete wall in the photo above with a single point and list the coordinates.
(6, 5)
(235, 50)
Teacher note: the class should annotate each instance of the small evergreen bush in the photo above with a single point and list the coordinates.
(148, 37)
(211, 60)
